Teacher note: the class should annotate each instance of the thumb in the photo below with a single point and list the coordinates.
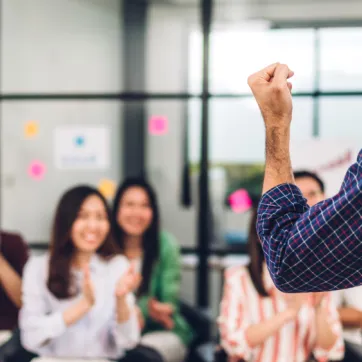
(153, 302)
(86, 273)
(132, 268)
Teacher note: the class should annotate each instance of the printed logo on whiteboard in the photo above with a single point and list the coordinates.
(82, 147)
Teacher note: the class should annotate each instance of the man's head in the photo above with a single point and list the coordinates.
(311, 185)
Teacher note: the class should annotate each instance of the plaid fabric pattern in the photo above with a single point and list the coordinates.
(317, 248)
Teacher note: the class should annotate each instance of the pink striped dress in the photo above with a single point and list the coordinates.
(242, 306)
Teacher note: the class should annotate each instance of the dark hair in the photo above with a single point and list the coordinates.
(61, 247)
(150, 240)
(256, 255)
(312, 175)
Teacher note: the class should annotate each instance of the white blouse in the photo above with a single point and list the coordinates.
(97, 334)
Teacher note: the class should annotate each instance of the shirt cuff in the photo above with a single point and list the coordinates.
(56, 325)
(284, 195)
(127, 334)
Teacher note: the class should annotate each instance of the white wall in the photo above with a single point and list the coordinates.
(166, 62)
(61, 46)
(54, 46)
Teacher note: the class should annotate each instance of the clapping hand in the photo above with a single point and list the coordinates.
(128, 282)
(294, 303)
(318, 299)
(88, 287)
(161, 312)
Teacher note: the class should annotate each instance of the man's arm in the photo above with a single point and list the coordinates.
(272, 91)
(306, 250)
(278, 166)
(316, 249)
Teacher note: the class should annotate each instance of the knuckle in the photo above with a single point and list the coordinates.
(251, 80)
(278, 88)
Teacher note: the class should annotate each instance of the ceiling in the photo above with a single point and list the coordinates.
(244, 2)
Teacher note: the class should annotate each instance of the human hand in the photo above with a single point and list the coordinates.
(294, 302)
(88, 287)
(141, 320)
(272, 92)
(317, 299)
(128, 282)
(161, 312)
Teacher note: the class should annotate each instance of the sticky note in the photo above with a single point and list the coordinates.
(79, 141)
(240, 201)
(36, 170)
(107, 188)
(31, 129)
(158, 125)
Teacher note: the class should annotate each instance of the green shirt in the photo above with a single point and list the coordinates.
(165, 286)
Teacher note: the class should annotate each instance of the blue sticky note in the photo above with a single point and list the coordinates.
(79, 141)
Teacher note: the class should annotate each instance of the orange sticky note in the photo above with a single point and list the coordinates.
(31, 129)
(107, 188)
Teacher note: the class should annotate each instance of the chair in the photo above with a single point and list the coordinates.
(201, 347)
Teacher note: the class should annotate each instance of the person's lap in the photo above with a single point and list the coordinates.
(167, 344)
(138, 354)
(12, 351)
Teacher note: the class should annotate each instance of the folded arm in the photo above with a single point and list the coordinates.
(317, 248)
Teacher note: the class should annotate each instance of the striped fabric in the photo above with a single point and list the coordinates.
(242, 307)
(317, 248)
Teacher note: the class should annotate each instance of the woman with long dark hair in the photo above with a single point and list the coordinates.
(136, 223)
(259, 323)
(77, 299)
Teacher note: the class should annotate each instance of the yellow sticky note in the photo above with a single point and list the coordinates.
(107, 188)
(31, 129)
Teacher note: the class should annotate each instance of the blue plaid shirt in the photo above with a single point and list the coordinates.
(317, 248)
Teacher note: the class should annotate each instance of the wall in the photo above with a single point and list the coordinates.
(61, 46)
(52, 46)
(166, 62)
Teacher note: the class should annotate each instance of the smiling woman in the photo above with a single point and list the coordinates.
(156, 256)
(77, 299)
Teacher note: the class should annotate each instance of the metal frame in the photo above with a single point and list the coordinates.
(203, 226)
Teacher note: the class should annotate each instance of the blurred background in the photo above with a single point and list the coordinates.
(93, 91)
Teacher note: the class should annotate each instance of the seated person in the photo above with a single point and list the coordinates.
(259, 323)
(76, 298)
(13, 256)
(349, 304)
(137, 231)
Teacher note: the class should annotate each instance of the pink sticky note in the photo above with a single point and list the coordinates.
(158, 125)
(36, 170)
(240, 201)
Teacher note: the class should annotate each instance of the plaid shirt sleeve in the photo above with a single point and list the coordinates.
(317, 248)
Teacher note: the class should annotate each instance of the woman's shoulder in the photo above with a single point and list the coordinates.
(118, 262)
(37, 264)
(168, 241)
